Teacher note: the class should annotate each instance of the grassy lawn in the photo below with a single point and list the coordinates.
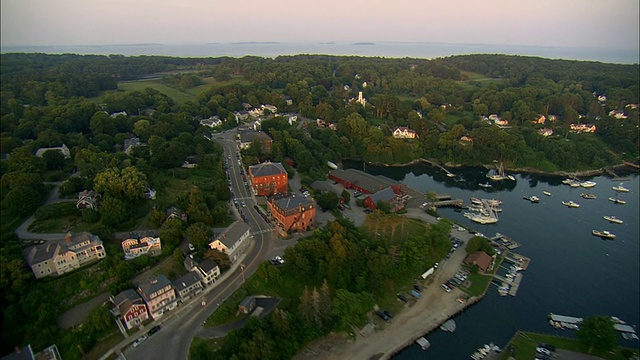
(178, 95)
(525, 343)
(396, 228)
(479, 283)
(103, 346)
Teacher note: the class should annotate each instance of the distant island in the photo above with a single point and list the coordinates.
(255, 43)
(363, 43)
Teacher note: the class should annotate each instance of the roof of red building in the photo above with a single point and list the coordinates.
(267, 169)
(480, 258)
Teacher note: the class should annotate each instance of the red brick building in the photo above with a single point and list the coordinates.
(292, 213)
(268, 178)
(385, 195)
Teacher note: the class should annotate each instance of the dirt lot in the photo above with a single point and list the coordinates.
(433, 308)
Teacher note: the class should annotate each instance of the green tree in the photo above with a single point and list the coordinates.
(327, 200)
(172, 232)
(479, 243)
(157, 217)
(598, 333)
(128, 183)
(199, 235)
(383, 206)
(53, 159)
(21, 201)
(346, 196)
(114, 211)
(350, 308)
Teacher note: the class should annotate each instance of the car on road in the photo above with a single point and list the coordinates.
(153, 330)
(140, 340)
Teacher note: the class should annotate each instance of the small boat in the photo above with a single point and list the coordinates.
(629, 336)
(424, 343)
(485, 185)
(572, 182)
(475, 200)
(448, 326)
(511, 177)
(603, 234)
(451, 175)
(570, 204)
(587, 184)
(534, 199)
(588, 196)
(546, 193)
(612, 219)
(617, 201)
(620, 188)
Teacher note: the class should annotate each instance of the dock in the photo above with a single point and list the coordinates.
(505, 241)
(521, 261)
(454, 202)
(513, 290)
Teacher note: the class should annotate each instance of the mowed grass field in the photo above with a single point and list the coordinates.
(179, 96)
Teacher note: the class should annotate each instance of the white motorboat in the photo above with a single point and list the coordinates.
(612, 219)
(570, 204)
(603, 234)
(620, 188)
(588, 184)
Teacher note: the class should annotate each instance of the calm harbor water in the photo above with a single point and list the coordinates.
(423, 50)
(571, 272)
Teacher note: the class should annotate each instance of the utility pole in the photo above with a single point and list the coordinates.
(242, 269)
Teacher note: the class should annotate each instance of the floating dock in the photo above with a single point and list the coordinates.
(513, 290)
(505, 241)
(521, 261)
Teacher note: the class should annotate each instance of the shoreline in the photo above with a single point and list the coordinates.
(525, 170)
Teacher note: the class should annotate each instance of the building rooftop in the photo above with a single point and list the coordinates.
(371, 183)
(207, 265)
(250, 136)
(185, 281)
(152, 285)
(289, 202)
(233, 233)
(267, 169)
(383, 195)
(480, 258)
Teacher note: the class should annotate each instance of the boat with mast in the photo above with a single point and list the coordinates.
(499, 175)
(487, 215)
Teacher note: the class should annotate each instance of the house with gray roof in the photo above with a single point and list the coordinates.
(187, 286)
(159, 295)
(57, 257)
(249, 136)
(232, 241)
(208, 270)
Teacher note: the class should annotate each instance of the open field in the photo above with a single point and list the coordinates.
(179, 96)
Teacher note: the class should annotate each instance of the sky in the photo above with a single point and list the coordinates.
(566, 23)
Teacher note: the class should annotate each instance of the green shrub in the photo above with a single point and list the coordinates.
(56, 210)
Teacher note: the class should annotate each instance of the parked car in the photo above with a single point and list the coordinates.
(415, 294)
(382, 315)
(402, 298)
(277, 260)
(418, 288)
(388, 313)
(446, 288)
(153, 330)
(140, 340)
(191, 247)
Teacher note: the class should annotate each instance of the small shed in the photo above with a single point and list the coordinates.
(247, 305)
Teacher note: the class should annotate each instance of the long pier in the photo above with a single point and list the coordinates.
(454, 202)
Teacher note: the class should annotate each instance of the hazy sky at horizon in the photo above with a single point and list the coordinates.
(583, 23)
